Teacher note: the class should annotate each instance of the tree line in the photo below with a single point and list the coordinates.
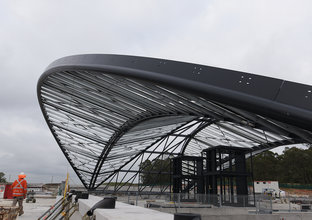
(155, 172)
(294, 165)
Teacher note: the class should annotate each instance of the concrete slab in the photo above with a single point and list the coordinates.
(125, 212)
(33, 210)
(122, 211)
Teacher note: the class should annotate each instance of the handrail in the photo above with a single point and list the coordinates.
(60, 209)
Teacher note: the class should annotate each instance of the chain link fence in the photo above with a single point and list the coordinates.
(269, 204)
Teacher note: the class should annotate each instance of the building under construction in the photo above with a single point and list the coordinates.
(113, 116)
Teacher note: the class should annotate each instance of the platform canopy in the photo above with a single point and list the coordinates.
(110, 113)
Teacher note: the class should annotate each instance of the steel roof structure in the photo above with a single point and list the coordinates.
(109, 113)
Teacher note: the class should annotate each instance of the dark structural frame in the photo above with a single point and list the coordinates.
(110, 113)
(221, 170)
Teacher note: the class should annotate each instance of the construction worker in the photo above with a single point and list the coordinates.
(19, 189)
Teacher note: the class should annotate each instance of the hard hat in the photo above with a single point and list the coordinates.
(22, 175)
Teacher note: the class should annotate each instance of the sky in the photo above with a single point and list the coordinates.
(266, 37)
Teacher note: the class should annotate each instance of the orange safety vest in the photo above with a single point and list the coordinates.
(19, 188)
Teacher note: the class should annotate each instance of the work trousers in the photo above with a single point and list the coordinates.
(19, 199)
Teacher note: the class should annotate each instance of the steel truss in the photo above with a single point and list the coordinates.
(110, 113)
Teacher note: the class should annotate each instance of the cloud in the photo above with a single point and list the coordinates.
(271, 38)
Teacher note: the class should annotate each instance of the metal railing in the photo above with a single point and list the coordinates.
(64, 208)
(183, 199)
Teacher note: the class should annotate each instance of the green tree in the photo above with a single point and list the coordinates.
(2, 178)
(295, 166)
(155, 172)
(265, 166)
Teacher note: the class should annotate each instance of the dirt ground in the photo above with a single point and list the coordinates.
(297, 192)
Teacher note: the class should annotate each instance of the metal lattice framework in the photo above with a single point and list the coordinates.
(109, 113)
